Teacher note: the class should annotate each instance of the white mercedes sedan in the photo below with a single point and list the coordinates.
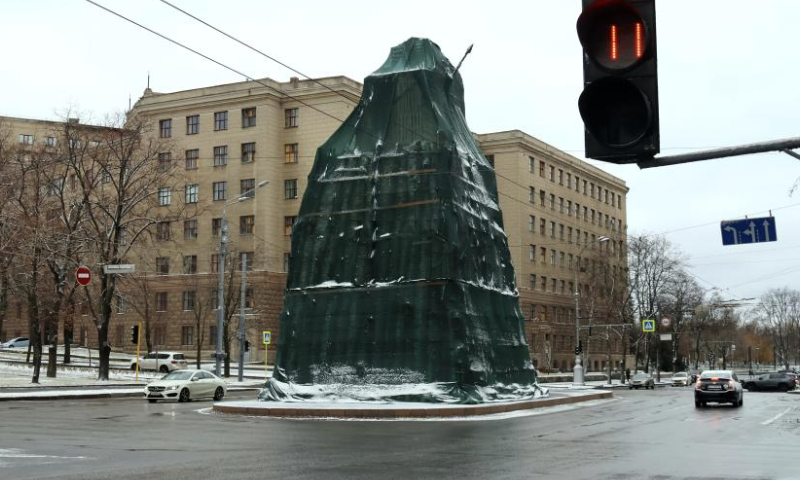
(185, 386)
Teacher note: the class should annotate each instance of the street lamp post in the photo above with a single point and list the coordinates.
(577, 371)
(223, 252)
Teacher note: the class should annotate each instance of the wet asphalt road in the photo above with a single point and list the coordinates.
(640, 434)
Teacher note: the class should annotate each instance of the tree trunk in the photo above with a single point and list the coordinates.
(107, 284)
(36, 336)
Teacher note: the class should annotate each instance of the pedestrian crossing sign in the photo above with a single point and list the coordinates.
(266, 334)
(648, 326)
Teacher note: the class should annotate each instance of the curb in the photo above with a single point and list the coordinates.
(75, 396)
(288, 411)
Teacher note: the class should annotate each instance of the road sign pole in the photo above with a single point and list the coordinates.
(266, 360)
(138, 347)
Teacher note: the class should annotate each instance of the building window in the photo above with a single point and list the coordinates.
(190, 229)
(247, 188)
(216, 226)
(188, 300)
(120, 304)
(105, 176)
(560, 177)
(248, 298)
(164, 196)
(161, 301)
(291, 117)
(290, 189)
(288, 224)
(541, 168)
(246, 224)
(542, 197)
(220, 156)
(543, 255)
(286, 258)
(26, 139)
(553, 285)
(561, 259)
(248, 152)
(543, 284)
(248, 117)
(246, 256)
(187, 335)
(191, 193)
(220, 121)
(532, 286)
(290, 153)
(552, 258)
(542, 226)
(532, 253)
(552, 173)
(531, 194)
(165, 128)
(552, 201)
(532, 164)
(552, 229)
(162, 266)
(569, 180)
(569, 208)
(561, 231)
(50, 141)
(163, 231)
(189, 264)
(215, 265)
(192, 124)
(191, 158)
(219, 190)
(164, 161)
(532, 223)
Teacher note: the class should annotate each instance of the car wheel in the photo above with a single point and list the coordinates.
(218, 394)
(783, 387)
(630, 388)
(697, 404)
(151, 400)
(741, 401)
(184, 395)
(133, 366)
(164, 369)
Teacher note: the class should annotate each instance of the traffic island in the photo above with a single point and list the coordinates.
(367, 410)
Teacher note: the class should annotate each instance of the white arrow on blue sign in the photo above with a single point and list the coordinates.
(749, 230)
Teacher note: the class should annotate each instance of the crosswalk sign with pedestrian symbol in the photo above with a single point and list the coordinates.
(648, 326)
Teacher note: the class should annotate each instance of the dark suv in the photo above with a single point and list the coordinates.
(720, 386)
(783, 381)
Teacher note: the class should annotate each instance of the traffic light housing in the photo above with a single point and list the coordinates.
(579, 348)
(247, 345)
(619, 103)
(135, 334)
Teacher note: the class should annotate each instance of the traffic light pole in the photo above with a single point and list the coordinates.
(138, 348)
(785, 145)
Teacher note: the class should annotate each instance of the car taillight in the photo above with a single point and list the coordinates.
(698, 385)
(174, 362)
(731, 385)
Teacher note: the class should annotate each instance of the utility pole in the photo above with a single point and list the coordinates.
(243, 294)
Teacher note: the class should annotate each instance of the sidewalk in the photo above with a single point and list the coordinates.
(81, 382)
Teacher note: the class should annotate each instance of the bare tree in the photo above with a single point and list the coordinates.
(779, 312)
(129, 189)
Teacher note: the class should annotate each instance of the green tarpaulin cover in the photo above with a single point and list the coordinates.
(400, 272)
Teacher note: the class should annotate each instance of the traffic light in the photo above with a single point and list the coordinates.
(135, 334)
(247, 345)
(579, 348)
(619, 103)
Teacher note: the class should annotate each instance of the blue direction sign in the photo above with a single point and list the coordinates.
(749, 230)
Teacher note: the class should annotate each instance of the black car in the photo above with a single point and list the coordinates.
(719, 386)
(783, 381)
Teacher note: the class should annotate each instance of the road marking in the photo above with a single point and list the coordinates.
(767, 422)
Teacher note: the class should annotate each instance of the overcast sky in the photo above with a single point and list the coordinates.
(727, 76)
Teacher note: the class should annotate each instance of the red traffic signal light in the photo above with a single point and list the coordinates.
(619, 103)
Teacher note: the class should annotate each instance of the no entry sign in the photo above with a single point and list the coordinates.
(83, 275)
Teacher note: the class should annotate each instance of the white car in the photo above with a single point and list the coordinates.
(15, 342)
(162, 361)
(681, 379)
(185, 386)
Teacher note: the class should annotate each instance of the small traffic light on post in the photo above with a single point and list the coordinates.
(619, 103)
(135, 334)
(579, 348)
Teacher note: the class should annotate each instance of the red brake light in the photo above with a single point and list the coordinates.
(714, 379)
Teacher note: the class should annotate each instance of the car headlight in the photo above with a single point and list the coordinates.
(172, 387)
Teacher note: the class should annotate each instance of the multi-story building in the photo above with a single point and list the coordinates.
(229, 139)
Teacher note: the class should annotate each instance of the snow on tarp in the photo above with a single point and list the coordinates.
(400, 272)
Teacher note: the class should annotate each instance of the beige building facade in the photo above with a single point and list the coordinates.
(229, 139)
